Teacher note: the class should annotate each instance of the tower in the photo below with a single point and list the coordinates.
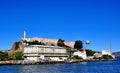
(87, 44)
(111, 48)
(24, 36)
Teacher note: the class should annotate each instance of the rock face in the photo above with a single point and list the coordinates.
(17, 46)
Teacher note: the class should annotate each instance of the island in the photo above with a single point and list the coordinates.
(50, 51)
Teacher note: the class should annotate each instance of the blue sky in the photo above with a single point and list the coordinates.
(94, 20)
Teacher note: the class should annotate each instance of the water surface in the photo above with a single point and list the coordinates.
(83, 67)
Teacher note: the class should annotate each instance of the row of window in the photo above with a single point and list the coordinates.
(42, 51)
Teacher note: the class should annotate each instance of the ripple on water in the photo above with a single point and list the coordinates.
(83, 67)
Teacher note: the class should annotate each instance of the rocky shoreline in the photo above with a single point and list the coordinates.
(21, 62)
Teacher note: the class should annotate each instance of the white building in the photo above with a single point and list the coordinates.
(81, 54)
(97, 55)
(106, 52)
(41, 52)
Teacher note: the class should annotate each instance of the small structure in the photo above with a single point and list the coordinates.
(106, 52)
(97, 55)
(81, 53)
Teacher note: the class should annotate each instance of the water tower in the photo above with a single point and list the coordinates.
(87, 44)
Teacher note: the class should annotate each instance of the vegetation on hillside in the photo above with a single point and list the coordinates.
(16, 45)
(90, 52)
(3, 55)
(78, 44)
(16, 56)
(35, 43)
(76, 57)
(60, 43)
(107, 57)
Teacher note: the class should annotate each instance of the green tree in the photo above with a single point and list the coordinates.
(35, 43)
(76, 57)
(78, 45)
(107, 57)
(3, 55)
(17, 45)
(60, 43)
(10, 57)
(90, 52)
(18, 55)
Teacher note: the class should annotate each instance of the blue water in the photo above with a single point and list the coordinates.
(83, 67)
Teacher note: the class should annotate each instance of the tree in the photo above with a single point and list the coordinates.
(60, 43)
(16, 45)
(76, 57)
(35, 43)
(78, 45)
(90, 52)
(18, 55)
(107, 57)
(3, 55)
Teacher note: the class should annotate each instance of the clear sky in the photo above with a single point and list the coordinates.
(94, 20)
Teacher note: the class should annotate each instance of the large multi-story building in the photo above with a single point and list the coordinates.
(41, 52)
(46, 41)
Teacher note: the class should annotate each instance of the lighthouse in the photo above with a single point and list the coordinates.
(24, 34)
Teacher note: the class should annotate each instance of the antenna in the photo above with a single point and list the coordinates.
(111, 48)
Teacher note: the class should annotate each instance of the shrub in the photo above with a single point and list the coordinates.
(3, 55)
(76, 57)
(18, 55)
(90, 52)
(107, 57)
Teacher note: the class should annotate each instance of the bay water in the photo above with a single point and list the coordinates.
(82, 67)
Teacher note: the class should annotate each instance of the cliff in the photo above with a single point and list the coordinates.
(17, 46)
